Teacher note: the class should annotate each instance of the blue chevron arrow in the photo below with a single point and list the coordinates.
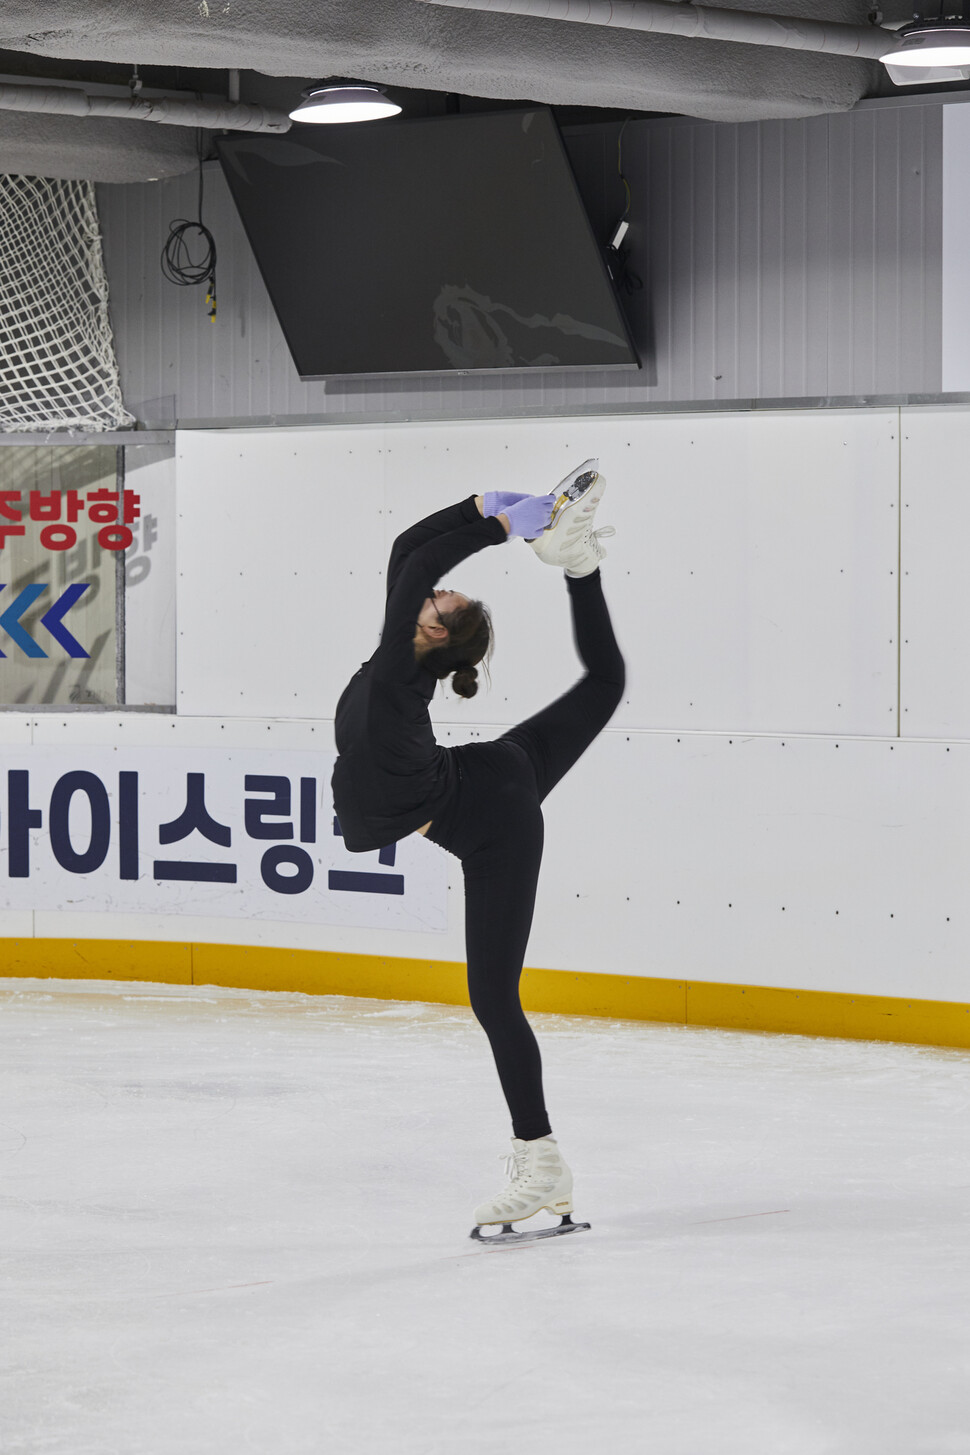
(52, 620)
(10, 620)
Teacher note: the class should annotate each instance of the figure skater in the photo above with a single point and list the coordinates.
(481, 801)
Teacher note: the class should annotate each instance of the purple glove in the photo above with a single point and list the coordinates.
(529, 517)
(495, 501)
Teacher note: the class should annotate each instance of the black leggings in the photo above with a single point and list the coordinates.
(493, 824)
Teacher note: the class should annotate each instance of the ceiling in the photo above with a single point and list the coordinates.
(419, 51)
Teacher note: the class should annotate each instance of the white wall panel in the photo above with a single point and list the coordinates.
(956, 232)
(752, 578)
(762, 560)
(935, 610)
(150, 566)
(281, 559)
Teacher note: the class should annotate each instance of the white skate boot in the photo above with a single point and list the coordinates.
(538, 1178)
(569, 540)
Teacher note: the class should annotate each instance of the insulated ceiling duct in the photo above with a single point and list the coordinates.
(696, 22)
(168, 110)
(281, 45)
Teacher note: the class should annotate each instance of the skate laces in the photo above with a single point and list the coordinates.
(591, 539)
(515, 1165)
(517, 1168)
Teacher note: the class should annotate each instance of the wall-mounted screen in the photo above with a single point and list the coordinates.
(454, 243)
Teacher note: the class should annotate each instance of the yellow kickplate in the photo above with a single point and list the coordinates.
(378, 977)
(626, 997)
(829, 1013)
(69, 959)
(325, 972)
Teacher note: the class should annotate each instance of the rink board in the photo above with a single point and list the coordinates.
(738, 1007)
(773, 831)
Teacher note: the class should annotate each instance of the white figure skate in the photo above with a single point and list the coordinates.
(538, 1179)
(569, 540)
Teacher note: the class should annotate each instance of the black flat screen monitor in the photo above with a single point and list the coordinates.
(457, 243)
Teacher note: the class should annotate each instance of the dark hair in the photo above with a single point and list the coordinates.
(470, 640)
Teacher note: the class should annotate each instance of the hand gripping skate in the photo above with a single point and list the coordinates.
(569, 540)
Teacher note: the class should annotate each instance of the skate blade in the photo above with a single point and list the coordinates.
(508, 1235)
(576, 491)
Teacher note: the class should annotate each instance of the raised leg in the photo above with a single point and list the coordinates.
(558, 735)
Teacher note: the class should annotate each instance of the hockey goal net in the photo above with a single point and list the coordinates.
(57, 361)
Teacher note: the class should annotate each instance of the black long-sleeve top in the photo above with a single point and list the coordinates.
(391, 775)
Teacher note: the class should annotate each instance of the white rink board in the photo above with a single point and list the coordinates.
(833, 864)
(935, 675)
(795, 841)
(820, 863)
(752, 578)
(215, 832)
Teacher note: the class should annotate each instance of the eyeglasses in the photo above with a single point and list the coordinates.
(436, 611)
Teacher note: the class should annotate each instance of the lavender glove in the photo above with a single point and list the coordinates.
(529, 517)
(495, 501)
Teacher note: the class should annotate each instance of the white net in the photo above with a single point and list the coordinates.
(57, 361)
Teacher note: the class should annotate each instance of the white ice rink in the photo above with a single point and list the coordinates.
(237, 1222)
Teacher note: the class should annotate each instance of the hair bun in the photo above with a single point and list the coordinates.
(465, 681)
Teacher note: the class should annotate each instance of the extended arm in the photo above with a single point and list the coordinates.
(442, 522)
(420, 557)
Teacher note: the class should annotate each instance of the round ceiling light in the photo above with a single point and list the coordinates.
(339, 101)
(930, 43)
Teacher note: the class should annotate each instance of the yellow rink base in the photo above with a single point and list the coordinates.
(321, 972)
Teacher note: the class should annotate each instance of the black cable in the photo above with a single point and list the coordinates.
(178, 264)
(619, 166)
(618, 258)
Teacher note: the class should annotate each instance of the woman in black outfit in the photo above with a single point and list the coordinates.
(481, 801)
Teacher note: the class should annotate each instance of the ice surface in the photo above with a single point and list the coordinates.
(236, 1222)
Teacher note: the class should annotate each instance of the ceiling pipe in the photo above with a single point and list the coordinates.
(168, 110)
(870, 42)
